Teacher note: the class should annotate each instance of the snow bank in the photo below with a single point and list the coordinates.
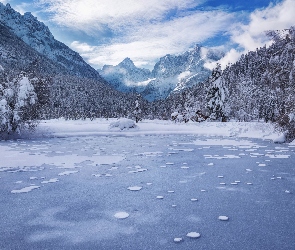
(61, 128)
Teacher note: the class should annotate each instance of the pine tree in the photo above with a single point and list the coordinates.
(137, 111)
(216, 96)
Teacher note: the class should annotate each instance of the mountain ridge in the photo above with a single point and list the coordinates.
(171, 73)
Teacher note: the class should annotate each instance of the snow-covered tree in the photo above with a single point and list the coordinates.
(17, 105)
(216, 96)
(137, 111)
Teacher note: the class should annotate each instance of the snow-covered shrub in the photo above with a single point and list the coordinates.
(286, 124)
(17, 105)
(123, 124)
(188, 115)
(179, 117)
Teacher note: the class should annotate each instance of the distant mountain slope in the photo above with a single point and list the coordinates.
(171, 73)
(125, 76)
(38, 36)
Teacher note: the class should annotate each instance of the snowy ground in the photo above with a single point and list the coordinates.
(78, 185)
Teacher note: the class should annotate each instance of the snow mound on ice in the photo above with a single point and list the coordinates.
(123, 124)
(280, 139)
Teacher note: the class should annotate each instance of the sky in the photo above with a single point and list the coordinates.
(107, 31)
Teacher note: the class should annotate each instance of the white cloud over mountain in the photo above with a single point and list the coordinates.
(253, 35)
(146, 30)
(147, 43)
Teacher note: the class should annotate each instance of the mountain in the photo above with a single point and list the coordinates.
(125, 76)
(65, 85)
(38, 36)
(171, 73)
(16, 55)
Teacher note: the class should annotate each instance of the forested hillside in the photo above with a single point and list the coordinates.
(259, 86)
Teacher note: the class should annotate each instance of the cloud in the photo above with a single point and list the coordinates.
(253, 35)
(147, 30)
(22, 7)
(139, 29)
(275, 17)
(93, 14)
(146, 43)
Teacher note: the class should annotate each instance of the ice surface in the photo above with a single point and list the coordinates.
(79, 211)
(222, 142)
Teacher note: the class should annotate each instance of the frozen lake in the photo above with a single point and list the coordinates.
(143, 191)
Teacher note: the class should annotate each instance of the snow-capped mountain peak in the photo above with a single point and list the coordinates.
(127, 63)
(126, 76)
(170, 73)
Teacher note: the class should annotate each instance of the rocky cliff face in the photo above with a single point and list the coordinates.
(38, 36)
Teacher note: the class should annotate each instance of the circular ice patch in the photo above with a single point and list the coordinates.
(193, 235)
(121, 215)
(223, 218)
(177, 240)
(134, 188)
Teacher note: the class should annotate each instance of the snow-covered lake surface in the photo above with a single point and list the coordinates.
(77, 185)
